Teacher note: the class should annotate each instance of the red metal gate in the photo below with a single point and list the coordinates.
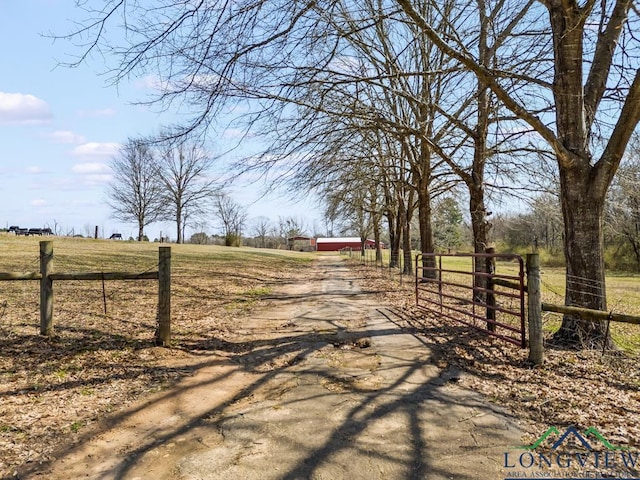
(466, 287)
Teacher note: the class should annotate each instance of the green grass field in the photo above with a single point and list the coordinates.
(623, 293)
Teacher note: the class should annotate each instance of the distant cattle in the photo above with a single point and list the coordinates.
(115, 236)
(30, 231)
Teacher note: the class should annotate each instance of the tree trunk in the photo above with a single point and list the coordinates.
(405, 218)
(140, 231)
(426, 232)
(582, 188)
(582, 209)
(480, 228)
(394, 237)
(406, 247)
(376, 238)
(179, 225)
(475, 184)
(424, 211)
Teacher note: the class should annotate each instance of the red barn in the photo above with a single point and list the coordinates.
(338, 243)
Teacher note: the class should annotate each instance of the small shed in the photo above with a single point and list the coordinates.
(333, 244)
(301, 244)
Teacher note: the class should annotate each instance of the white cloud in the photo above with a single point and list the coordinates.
(348, 64)
(22, 109)
(90, 168)
(150, 82)
(96, 180)
(100, 112)
(95, 149)
(38, 202)
(34, 170)
(65, 136)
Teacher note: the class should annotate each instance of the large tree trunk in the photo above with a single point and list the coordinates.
(394, 239)
(406, 235)
(426, 231)
(397, 236)
(406, 247)
(394, 244)
(582, 190)
(582, 209)
(376, 237)
(480, 228)
(424, 209)
(477, 207)
(140, 227)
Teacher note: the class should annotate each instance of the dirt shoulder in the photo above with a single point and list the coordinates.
(324, 384)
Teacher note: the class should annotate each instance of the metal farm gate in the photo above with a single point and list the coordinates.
(466, 287)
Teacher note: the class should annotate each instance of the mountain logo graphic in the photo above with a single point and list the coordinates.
(572, 433)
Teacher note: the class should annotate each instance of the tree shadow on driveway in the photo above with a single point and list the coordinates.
(303, 399)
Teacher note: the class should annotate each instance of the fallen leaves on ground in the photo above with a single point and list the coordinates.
(54, 389)
(581, 388)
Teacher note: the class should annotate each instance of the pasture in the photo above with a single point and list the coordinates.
(52, 388)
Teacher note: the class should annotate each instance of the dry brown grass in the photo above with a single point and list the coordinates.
(53, 388)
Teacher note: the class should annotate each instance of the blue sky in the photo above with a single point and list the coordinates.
(60, 126)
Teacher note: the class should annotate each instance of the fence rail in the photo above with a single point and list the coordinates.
(14, 276)
(104, 276)
(47, 277)
(591, 315)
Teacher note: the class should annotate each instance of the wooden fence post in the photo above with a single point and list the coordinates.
(46, 288)
(163, 334)
(536, 350)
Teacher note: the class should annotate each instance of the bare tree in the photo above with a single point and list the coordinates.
(232, 217)
(134, 193)
(623, 204)
(55, 227)
(261, 228)
(592, 78)
(184, 174)
(289, 227)
(539, 227)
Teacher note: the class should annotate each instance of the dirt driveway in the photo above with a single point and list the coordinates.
(325, 386)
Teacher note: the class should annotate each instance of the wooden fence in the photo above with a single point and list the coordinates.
(536, 307)
(47, 277)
